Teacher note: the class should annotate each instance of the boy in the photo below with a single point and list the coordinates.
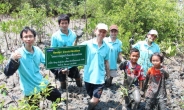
(115, 52)
(27, 60)
(97, 65)
(133, 76)
(62, 38)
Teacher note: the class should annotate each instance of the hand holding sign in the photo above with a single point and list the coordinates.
(79, 33)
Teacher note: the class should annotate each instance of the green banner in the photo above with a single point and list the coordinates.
(64, 57)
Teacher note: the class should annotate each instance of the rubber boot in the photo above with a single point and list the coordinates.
(63, 85)
(78, 82)
(91, 106)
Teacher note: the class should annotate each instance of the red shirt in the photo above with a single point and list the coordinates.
(134, 72)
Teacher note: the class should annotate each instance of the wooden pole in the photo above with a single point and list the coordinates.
(67, 89)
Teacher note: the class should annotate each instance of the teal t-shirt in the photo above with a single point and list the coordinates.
(94, 70)
(115, 49)
(145, 53)
(60, 39)
(29, 71)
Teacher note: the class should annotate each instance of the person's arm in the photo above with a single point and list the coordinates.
(137, 45)
(163, 71)
(121, 57)
(53, 42)
(107, 68)
(11, 67)
(146, 83)
(141, 85)
(141, 78)
(75, 42)
(13, 64)
(79, 34)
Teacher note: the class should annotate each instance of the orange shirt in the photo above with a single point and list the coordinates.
(156, 84)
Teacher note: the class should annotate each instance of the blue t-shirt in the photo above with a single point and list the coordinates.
(145, 53)
(60, 39)
(115, 49)
(29, 71)
(94, 70)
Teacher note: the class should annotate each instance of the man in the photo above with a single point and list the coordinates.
(97, 66)
(147, 48)
(27, 60)
(115, 52)
(62, 38)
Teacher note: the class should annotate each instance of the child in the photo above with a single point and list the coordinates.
(133, 76)
(156, 92)
(27, 60)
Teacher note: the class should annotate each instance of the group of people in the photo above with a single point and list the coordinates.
(144, 68)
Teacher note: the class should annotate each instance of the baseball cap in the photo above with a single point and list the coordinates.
(113, 27)
(102, 26)
(154, 32)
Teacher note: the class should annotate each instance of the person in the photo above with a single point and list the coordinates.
(133, 78)
(30, 76)
(115, 52)
(62, 38)
(97, 66)
(147, 48)
(155, 83)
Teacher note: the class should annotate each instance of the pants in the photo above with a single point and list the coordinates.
(151, 103)
(73, 73)
(133, 99)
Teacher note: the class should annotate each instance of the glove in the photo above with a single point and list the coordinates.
(79, 33)
(122, 65)
(108, 81)
(131, 41)
(163, 71)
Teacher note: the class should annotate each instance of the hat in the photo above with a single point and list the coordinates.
(153, 32)
(102, 26)
(113, 27)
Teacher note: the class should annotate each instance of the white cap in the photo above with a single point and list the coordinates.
(102, 26)
(154, 32)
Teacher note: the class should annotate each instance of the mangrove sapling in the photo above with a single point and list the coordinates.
(4, 91)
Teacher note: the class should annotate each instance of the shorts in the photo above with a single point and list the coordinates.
(113, 73)
(94, 90)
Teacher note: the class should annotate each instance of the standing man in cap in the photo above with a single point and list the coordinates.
(115, 52)
(147, 48)
(97, 66)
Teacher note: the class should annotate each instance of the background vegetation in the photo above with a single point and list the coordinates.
(134, 18)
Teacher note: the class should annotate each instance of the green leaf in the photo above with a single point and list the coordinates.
(168, 51)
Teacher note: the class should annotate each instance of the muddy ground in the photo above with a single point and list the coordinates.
(111, 98)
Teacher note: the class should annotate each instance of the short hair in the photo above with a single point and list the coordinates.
(63, 17)
(26, 29)
(134, 50)
(160, 55)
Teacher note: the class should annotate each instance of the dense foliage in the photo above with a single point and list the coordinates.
(134, 17)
